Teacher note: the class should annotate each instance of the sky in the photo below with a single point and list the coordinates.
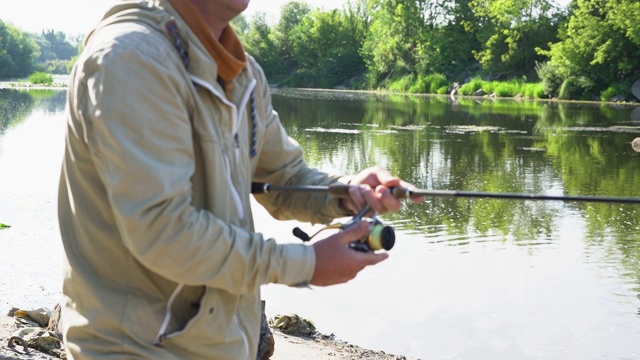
(76, 17)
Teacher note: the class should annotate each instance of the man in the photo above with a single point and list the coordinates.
(169, 122)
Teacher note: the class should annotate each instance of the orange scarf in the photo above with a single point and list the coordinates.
(227, 51)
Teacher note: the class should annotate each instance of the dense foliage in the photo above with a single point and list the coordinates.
(599, 49)
(22, 53)
(17, 52)
(589, 50)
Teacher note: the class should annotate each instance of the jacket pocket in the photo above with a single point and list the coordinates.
(213, 328)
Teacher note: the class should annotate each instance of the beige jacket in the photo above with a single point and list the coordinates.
(162, 258)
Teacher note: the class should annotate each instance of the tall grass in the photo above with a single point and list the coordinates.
(438, 84)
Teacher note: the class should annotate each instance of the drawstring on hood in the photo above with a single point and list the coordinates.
(172, 30)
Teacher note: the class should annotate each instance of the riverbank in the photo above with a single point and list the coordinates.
(60, 83)
(25, 85)
(287, 347)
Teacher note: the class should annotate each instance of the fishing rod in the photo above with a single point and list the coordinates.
(381, 237)
(342, 190)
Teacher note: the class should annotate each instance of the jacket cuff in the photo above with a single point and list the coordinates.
(298, 266)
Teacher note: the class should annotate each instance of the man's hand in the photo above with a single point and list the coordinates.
(371, 187)
(336, 263)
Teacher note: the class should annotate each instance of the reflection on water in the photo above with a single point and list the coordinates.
(467, 278)
(31, 144)
(485, 278)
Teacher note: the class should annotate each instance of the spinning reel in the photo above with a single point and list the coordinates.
(380, 236)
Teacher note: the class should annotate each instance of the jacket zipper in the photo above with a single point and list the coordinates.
(162, 336)
(236, 125)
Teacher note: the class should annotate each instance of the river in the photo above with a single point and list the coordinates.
(467, 278)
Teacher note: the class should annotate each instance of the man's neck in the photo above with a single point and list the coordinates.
(217, 13)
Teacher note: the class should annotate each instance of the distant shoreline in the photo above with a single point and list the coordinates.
(26, 85)
(20, 85)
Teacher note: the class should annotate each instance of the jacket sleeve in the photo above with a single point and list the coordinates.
(139, 136)
(281, 161)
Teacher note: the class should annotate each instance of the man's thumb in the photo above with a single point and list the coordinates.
(355, 232)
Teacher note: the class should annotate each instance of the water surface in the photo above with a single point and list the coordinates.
(467, 278)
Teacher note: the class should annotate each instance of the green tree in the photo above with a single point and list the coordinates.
(449, 40)
(17, 51)
(291, 16)
(510, 32)
(240, 25)
(394, 35)
(56, 51)
(600, 46)
(259, 42)
(326, 49)
(57, 46)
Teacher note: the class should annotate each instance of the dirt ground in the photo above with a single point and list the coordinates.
(287, 347)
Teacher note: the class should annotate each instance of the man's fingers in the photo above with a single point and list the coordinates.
(387, 200)
(358, 199)
(354, 232)
(374, 258)
(336, 263)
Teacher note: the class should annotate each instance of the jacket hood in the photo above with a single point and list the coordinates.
(160, 16)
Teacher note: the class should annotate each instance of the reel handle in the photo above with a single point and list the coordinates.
(335, 190)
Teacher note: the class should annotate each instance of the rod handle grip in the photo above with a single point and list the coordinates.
(342, 191)
(339, 190)
(259, 188)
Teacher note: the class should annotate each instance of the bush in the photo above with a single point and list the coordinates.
(443, 90)
(608, 93)
(471, 87)
(436, 81)
(551, 78)
(420, 86)
(489, 87)
(403, 84)
(507, 89)
(534, 91)
(614, 90)
(40, 78)
(575, 88)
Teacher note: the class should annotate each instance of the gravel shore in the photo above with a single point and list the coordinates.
(287, 347)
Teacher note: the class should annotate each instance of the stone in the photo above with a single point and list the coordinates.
(635, 89)
(54, 320)
(618, 98)
(635, 144)
(293, 325)
(38, 317)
